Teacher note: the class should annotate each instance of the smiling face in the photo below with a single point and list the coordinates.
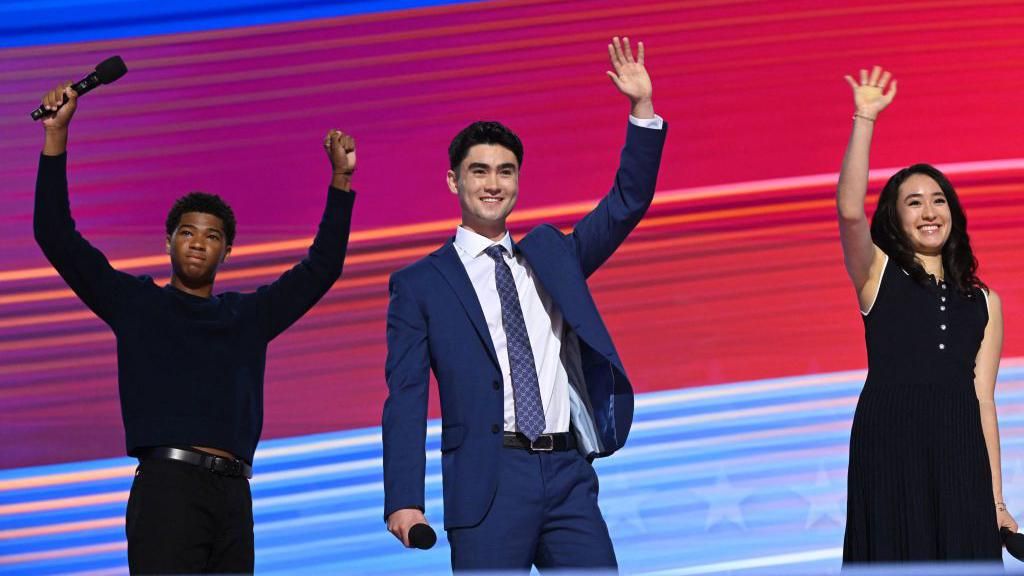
(197, 247)
(924, 214)
(487, 184)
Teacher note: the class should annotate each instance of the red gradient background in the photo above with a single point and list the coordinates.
(735, 274)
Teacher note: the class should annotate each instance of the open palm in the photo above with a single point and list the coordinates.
(629, 75)
(870, 95)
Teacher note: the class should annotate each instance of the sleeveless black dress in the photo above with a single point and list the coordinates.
(919, 482)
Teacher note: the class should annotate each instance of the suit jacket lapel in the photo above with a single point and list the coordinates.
(547, 277)
(576, 306)
(446, 260)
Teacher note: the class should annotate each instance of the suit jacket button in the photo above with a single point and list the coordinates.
(496, 385)
(495, 428)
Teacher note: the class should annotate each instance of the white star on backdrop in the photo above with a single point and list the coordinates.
(825, 499)
(724, 499)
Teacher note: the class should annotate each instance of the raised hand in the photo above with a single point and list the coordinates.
(869, 95)
(341, 151)
(59, 115)
(630, 76)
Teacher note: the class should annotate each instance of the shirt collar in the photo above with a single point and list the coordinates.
(474, 244)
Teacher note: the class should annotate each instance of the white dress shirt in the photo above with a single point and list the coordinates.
(543, 320)
(543, 325)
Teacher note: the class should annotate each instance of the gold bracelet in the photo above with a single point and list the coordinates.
(868, 118)
(1000, 506)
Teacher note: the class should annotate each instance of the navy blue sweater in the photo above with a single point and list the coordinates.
(190, 369)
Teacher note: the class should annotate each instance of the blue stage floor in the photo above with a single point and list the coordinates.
(746, 478)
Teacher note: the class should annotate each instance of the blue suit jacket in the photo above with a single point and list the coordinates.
(435, 322)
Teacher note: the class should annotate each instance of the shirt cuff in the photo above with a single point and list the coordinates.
(655, 123)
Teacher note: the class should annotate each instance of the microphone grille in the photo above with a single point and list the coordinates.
(110, 69)
(422, 536)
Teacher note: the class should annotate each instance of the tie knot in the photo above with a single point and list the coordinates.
(496, 252)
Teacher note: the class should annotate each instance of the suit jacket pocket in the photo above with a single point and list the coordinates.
(451, 437)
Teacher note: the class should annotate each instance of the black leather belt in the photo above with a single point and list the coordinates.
(560, 442)
(218, 464)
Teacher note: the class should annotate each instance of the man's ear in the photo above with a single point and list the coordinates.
(453, 182)
(168, 247)
(227, 252)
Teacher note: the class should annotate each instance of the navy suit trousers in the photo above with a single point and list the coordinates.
(544, 513)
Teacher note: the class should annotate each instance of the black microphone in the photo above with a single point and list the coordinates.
(1014, 542)
(106, 72)
(422, 536)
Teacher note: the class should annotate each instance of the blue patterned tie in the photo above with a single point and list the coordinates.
(525, 388)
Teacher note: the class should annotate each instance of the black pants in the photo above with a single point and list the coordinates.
(182, 519)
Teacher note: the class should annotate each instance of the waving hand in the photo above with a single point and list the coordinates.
(630, 76)
(869, 95)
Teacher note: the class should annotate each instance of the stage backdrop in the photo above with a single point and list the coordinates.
(735, 276)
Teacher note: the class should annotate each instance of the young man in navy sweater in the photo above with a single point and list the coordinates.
(190, 363)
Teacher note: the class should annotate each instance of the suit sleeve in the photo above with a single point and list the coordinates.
(85, 269)
(297, 290)
(600, 232)
(404, 422)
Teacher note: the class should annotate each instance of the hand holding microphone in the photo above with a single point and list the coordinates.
(59, 105)
(1014, 542)
(410, 526)
(106, 72)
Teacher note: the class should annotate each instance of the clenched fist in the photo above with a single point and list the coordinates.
(341, 151)
(59, 111)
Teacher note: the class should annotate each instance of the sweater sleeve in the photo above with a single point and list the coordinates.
(84, 268)
(297, 290)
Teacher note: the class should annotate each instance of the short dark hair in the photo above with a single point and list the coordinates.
(958, 259)
(206, 204)
(482, 132)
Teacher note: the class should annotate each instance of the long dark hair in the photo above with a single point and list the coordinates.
(958, 259)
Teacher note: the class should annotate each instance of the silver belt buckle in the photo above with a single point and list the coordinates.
(543, 443)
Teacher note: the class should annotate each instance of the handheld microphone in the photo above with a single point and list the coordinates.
(106, 72)
(422, 536)
(1014, 542)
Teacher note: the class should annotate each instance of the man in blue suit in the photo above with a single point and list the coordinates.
(531, 386)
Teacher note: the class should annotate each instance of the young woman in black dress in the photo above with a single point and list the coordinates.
(924, 478)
